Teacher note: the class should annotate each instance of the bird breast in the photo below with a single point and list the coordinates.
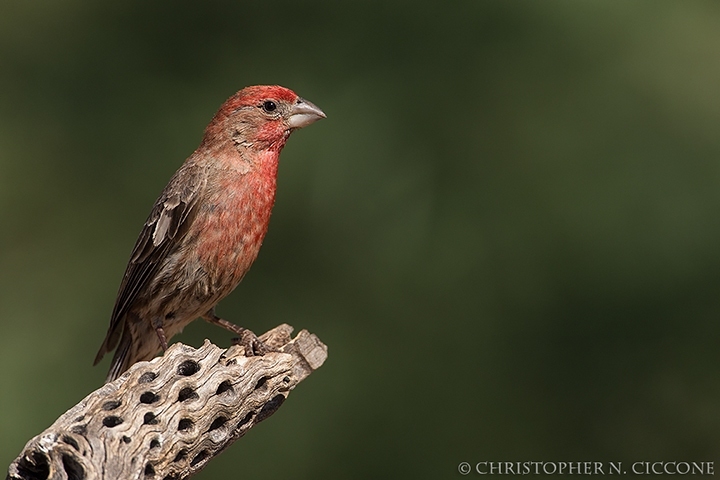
(231, 224)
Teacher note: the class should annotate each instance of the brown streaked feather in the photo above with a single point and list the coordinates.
(168, 221)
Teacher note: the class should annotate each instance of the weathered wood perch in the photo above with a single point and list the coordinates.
(167, 418)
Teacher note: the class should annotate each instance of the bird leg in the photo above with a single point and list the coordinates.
(162, 337)
(252, 344)
(157, 324)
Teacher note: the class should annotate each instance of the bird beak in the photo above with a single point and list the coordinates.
(303, 113)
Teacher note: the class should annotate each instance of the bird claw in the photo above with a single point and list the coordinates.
(251, 343)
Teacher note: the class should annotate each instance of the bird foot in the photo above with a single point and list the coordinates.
(251, 343)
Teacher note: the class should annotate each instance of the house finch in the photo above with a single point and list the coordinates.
(206, 228)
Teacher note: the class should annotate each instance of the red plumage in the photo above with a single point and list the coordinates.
(206, 228)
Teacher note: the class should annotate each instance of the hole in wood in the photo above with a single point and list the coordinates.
(126, 439)
(187, 393)
(72, 468)
(181, 455)
(261, 383)
(245, 420)
(225, 386)
(188, 368)
(35, 466)
(147, 377)
(70, 441)
(270, 407)
(217, 423)
(150, 419)
(199, 457)
(111, 405)
(112, 421)
(185, 424)
(149, 470)
(154, 443)
(149, 397)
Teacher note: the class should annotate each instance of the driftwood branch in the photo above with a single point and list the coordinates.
(167, 418)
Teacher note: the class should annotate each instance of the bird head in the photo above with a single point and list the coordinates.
(262, 117)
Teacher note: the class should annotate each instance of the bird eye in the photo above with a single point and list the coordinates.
(269, 106)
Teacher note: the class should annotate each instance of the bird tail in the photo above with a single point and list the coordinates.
(121, 359)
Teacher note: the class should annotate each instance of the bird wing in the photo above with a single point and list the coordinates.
(169, 220)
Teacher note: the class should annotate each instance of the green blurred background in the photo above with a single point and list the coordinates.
(507, 230)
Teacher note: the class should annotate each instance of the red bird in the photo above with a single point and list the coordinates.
(206, 228)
